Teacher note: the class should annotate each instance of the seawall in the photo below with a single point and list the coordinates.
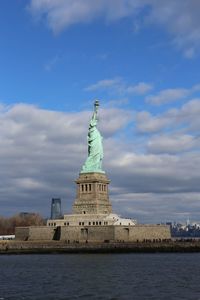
(38, 247)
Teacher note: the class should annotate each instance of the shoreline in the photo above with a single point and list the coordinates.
(55, 247)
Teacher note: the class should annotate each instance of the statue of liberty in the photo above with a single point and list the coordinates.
(93, 162)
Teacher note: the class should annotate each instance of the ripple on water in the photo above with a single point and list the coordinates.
(100, 277)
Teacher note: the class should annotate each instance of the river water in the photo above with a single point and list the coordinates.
(100, 276)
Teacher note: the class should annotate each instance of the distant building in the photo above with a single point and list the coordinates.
(191, 230)
(56, 212)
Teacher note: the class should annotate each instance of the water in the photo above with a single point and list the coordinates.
(100, 276)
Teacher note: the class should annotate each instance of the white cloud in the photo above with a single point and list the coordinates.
(179, 18)
(141, 88)
(113, 120)
(118, 86)
(171, 95)
(147, 123)
(162, 207)
(172, 143)
(64, 13)
(185, 118)
(114, 83)
(42, 153)
(167, 96)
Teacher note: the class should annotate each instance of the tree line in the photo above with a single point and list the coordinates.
(8, 224)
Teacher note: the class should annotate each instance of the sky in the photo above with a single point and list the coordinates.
(141, 59)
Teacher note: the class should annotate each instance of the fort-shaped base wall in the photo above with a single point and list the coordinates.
(100, 234)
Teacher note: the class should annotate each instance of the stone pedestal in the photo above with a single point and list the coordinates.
(92, 194)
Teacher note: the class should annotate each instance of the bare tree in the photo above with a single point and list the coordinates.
(7, 225)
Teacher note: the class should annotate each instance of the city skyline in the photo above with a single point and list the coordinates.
(140, 59)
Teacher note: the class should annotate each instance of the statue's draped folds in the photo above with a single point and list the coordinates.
(93, 162)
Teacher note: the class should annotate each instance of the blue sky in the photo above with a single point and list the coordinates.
(141, 60)
(53, 69)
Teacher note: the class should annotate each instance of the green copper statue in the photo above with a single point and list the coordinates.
(95, 148)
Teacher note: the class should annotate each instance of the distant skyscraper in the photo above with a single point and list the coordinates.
(56, 208)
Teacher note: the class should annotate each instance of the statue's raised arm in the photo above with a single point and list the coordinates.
(94, 119)
(93, 162)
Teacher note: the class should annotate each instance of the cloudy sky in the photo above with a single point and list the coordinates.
(141, 59)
